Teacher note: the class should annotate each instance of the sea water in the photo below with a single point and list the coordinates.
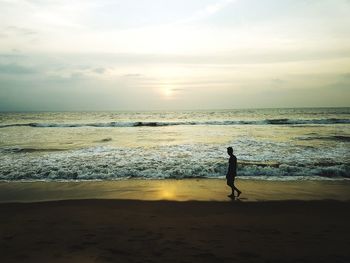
(272, 144)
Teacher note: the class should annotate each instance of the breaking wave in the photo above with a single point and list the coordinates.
(104, 163)
(338, 138)
(160, 124)
(28, 150)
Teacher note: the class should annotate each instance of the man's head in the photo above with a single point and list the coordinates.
(229, 150)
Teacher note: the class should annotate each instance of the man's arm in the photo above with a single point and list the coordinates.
(234, 165)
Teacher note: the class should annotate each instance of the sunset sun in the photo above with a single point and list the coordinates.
(167, 91)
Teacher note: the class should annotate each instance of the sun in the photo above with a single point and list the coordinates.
(167, 91)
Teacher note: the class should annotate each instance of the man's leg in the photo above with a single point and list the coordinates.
(232, 190)
(230, 184)
(235, 188)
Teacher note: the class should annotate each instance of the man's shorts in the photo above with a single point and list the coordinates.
(230, 180)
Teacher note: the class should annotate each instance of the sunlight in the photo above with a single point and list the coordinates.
(167, 91)
(166, 194)
(167, 191)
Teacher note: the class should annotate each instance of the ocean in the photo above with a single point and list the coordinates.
(270, 144)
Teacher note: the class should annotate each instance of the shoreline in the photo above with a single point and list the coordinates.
(173, 190)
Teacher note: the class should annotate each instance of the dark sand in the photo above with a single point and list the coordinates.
(170, 231)
(105, 225)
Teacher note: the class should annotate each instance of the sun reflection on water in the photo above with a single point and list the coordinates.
(168, 191)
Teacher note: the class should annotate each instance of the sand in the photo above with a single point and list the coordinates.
(177, 190)
(116, 230)
(168, 231)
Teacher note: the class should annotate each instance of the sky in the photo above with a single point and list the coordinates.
(62, 55)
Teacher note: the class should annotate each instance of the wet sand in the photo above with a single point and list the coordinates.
(169, 231)
(177, 190)
(118, 230)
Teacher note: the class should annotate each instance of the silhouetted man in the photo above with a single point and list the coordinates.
(232, 172)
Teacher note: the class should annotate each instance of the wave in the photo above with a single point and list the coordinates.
(338, 138)
(160, 124)
(306, 121)
(100, 163)
(108, 172)
(245, 163)
(28, 150)
(105, 140)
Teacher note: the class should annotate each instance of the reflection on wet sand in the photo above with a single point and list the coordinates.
(177, 190)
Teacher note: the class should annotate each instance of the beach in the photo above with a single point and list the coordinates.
(212, 131)
(150, 186)
(309, 227)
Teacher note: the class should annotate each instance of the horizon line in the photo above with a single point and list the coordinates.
(168, 110)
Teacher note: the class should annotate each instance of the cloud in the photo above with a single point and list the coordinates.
(209, 54)
(99, 70)
(177, 89)
(15, 69)
(207, 11)
(20, 30)
(278, 82)
(132, 75)
(346, 76)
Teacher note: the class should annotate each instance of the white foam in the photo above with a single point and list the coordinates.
(179, 161)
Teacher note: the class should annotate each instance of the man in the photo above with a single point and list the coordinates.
(232, 172)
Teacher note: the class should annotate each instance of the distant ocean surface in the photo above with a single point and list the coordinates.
(272, 144)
